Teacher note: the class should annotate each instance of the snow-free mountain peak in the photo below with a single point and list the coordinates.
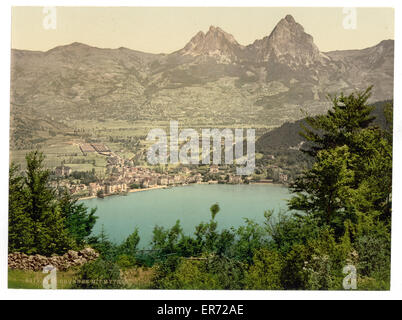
(215, 43)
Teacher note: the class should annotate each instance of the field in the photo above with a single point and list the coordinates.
(64, 152)
(19, 279)
(127, 139)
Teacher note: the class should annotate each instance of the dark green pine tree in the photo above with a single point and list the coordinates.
(336, 128)
(20, 230)
(78, 220)
(49, 232)
(351, 177)
(129, 246)
(323, 191)
(103, 245)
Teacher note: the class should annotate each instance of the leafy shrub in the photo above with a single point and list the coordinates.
(100, 274)
(265, 273)
(190, 275)
(228, 273)
(126, 261)
(374, 256)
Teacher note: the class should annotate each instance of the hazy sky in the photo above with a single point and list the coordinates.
(165, 30)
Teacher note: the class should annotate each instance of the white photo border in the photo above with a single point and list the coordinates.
(396, 278)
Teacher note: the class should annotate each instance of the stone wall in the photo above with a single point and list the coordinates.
(37, 262)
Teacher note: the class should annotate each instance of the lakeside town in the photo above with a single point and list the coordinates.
(123, 176)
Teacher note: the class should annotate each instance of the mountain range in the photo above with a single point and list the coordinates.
(213, 79)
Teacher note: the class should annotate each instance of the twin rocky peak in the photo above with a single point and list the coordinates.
(288, 39)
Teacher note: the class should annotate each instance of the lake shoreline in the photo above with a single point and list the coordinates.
(175, 186)
(130, 191)
(190, 204)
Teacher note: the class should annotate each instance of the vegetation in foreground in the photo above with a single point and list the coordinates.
(343, 206)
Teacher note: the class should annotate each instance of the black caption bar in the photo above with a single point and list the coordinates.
(205, 310)
(212, 310)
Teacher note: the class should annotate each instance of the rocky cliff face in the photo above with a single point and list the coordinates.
(215, 43)
(287, 43)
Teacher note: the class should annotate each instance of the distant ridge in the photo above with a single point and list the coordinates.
(265, 83)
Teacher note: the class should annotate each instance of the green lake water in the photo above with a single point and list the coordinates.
(190, 204)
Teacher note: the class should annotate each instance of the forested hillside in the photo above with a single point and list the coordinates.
(338, 221)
